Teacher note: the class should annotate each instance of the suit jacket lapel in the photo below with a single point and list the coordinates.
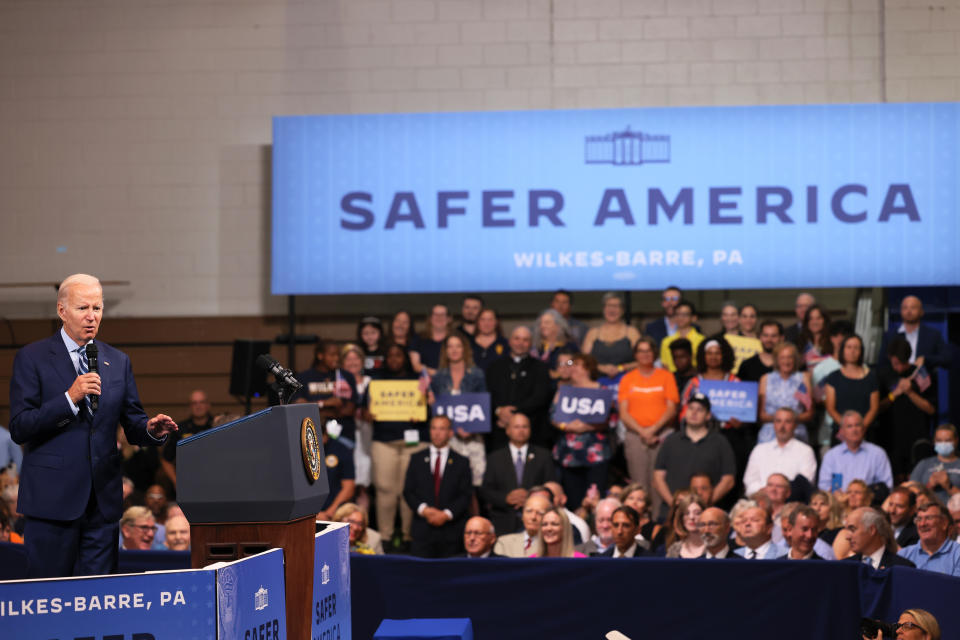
(61, 360)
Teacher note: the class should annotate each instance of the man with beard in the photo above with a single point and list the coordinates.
(714, 528)
(754, 367)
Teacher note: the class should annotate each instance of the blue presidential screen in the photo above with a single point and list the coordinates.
(704, 198)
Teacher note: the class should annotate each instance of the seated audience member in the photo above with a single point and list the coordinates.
(830, 512)
(7, 533)
(696, 447)
(871, 539)
(934, 552)
(178, 534)
(551, 336)
(901, 507)
(853, 458)
(857, 495)
(9, 496)
(341, 474)
(813, 342)
(684, 316)
(156, 499)
(394, 444)
(682, 352)
(802, 534)
(714, 527)
(683, 539)
(953, 506)
(511, 472)
(784, 454)
(647, 398)
(754, 367)
(10, 452)
(583, 449)
(521, 545)
(785, 386)
(603, 539)
(580, 527)
(137, 529)
(852, 387)
(438, 488)
(562, 302)
(457, 374)
(479, 538)
(363, 539)
(778, 491)
(636, 497)
(611, 344)
(755, 530)
(518, 382)
(702, 487)
(905, 407)
(488, 343)
(556, 536)
(626, 526)
(941, 473)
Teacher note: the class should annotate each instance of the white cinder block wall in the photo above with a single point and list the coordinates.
(135, 135)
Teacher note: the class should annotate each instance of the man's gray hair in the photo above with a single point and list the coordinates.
(878, 520)
(78, 278)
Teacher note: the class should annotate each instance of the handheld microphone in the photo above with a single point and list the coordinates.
(284, 377)
(94, 367)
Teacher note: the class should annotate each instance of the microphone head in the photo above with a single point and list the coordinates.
(264, 361)
(92, 349)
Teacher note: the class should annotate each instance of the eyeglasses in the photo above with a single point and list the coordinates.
(922, 519)
(476, 533)
(144, 527)
(708, 525)
(568, 363)
(907, 625)
(671, 298)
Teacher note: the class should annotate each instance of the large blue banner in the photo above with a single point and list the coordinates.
(173, 605)
(251, 598)
(331, 584)
(711, 197)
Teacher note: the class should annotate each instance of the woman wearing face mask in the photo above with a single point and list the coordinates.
(941, 473)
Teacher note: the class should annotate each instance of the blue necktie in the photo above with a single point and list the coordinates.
(83, 369)
(518, 466)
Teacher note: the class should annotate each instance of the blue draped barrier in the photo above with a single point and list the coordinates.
(13, 561)
(645, 598)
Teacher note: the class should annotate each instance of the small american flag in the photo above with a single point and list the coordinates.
(922, 377)
(424, 385)
(341, 388)
(803, 396)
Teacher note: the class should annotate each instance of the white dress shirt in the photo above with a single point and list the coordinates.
(792, 459)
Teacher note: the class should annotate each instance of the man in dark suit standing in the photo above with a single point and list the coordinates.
(511, 472)
(519, 382)
(438, 488)
(66, 416)
(929, 348)
(663, 327)
(871, 539)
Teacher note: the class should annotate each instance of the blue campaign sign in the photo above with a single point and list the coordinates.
(331, 583)
(467, 411)
(704, 198)
(169, 605)
(731, 399)
(589, 405)
(251, 596)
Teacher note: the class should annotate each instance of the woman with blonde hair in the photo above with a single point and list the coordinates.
(556, 536)
(362, 538)
(830, 513)
(917, 624)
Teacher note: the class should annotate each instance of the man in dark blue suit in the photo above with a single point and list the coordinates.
(929, 348)
(439, 488)
(66, 416)
(662, 327)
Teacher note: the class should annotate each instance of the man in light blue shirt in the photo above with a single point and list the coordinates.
(9, 451)
(934, 552)
(853, 459)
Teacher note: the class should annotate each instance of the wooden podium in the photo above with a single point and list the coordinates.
(255, 484)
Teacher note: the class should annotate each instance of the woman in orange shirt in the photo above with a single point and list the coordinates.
(648, 400)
